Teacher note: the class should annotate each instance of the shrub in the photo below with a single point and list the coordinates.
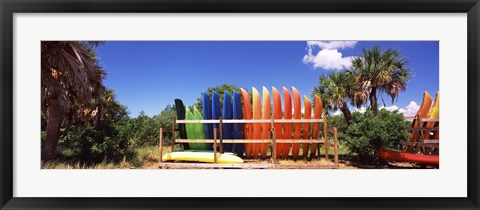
(369, 133)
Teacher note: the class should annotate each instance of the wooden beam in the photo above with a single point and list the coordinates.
(335, 145)
(248, 166)
(251, 121)
(215, 145)
(160, 145)
(325, 136)
(231, 141)
(273, 145)
(221, 135)
(173, 134)
(214, 165)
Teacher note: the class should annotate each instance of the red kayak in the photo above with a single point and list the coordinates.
(408, 157)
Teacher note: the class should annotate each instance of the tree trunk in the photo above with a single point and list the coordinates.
(346, 113)
(373, 101)
(54, 121)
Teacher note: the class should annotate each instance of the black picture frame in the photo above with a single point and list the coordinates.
(10, 7)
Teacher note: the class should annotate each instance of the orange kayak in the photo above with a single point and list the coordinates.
(315, 127)
(247, 114)
(266, 114)
(277, 114)
(297, 114)
(422, 112)
(434, 113)
(287, 134)
(306, 126)
(257, 127)
(408, 157)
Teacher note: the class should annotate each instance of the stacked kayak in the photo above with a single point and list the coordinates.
(243, 105)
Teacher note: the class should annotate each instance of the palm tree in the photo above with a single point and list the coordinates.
(379, 72)
(70, 79)
(337, 90)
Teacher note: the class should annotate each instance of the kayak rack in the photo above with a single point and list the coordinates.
(219, 141)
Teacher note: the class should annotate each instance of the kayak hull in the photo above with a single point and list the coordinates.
(203, 157)
(408, 157)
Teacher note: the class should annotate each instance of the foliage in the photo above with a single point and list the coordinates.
(377, 72)
(368, 133)
(336, 91)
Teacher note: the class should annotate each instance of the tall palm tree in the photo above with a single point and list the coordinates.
(379, 72)
(337, 90)
(70, 79)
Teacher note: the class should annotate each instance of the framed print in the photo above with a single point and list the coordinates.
(239, 105)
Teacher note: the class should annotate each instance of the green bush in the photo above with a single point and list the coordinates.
(368, 133)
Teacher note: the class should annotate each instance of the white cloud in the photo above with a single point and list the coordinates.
(338, 112)
(389, 108)
(411, 109)
(328, 57)
(332, 44)
(361, 110)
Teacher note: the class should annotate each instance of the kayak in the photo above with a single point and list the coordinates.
(277, 114)
(257, 127)
(227, 128)
(216, 111)
(287, 134)
(316, 126)
(409, 157)
(297, 114)
(191, 129)
(199, 129)
(247, 114)
(422, 112)
(434, 113)
(207, 115)
(306, 126)
(238, 127)
(205, 157)
(266, 114)
(180, 110)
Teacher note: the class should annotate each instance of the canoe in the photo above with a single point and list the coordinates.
(297, 114)
(316, 126)
(247, 114)
(191, 129)
(257, 127)
(180, 110)
(408, 157)
(216, 111)
(204, 157)
(422, 112)
(199, 129)
(306, 126)
(266, 114)
(207, 115)
(287, 134)
(277, 114)
(227, 128)
(238, 127)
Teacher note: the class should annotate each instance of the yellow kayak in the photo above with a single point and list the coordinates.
(204, 157)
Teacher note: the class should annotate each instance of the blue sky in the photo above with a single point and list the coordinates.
(149, 75)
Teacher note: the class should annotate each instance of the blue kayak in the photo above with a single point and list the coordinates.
(227, 127)
(216, 111)
(238, 127)
(207, 115)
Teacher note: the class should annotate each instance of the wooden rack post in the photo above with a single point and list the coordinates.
(214, 145)
(173, 133)
(160, 144)
(221, 135)
(273, 145)
(335, 145)
(325, 136)
(420, 136)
